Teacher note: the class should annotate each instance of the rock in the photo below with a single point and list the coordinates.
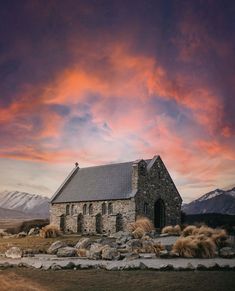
(147, 256)
(227, 252)
(134, 244)
(34, 231)
(130, 256)
(82, 253)
(14, 253)
(56, 246)
(109, 253)
(66, 252)
(28, 253)
(164, 254)
(95, 251)
(56, 267)
(174, 254)
(83, 243)
(22, 234)
(120, 234)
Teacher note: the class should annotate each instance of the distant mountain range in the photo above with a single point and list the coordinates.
(217, 201)
(17, 204)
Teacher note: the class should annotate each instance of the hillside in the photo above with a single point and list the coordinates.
(217, 201)
(16, 204)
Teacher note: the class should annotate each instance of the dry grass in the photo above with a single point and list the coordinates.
(199, 241)
(138, 232)
(143, 223)
(188, 230)
(50, 231)
(172, 230)
(36, 243)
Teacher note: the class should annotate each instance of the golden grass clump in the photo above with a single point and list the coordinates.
(158, 247)
(49, 231)
(138, 232)
(189, 230)
(219, 237)
(172, 230)
(207, 231)
(206, 248)
(141, 222)
(199, 241)
(186, 247)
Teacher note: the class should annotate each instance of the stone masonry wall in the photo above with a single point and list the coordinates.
(108, 221)
(156, 184)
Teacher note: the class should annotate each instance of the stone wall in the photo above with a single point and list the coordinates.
(108, 221)
(157, 184)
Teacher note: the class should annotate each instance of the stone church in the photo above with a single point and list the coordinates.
(104, 199)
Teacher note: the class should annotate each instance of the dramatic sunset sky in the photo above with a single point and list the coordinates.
(110, 81)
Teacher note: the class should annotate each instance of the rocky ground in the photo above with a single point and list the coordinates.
(120, 252)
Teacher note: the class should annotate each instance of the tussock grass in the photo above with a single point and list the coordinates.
(142, 222)
(172, 230)
(199, 241)
(138, 232)
(49, 231)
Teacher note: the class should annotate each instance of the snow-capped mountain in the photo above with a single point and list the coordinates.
(30, 205)
(217, 201)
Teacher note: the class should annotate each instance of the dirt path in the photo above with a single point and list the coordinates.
(28, 279)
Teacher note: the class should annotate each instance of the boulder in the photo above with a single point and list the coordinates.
(22, 234)
(227, 252)
(147, 256)
(56, 246)
(130, 256)
(82, 253)
(95, 251)
(120, 234)
(14, 253)
(109, 253)
(66, 252)
(134, 244)
(83, 243)
(164, 254)
(34, 231)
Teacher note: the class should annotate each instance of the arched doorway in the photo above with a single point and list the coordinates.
(80, 223)
(62, 223)
(159, 213)
(98, 223)
(119, 222)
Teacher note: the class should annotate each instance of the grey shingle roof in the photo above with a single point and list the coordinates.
(105, 182)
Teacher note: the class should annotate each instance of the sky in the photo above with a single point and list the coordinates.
(98, 82)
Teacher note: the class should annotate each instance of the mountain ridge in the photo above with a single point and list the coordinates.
(30, 205)
(216, 201)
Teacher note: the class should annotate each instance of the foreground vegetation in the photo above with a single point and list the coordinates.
(27, 279)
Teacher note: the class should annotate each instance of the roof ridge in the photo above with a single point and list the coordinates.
(110, 164)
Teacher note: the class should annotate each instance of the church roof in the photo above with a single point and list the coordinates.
(106, 182)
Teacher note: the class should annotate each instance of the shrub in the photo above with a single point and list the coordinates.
(138, 232)
(219, 237)
(141, 222)
(49, 231)
(186, 247)
(172, 230)
(189, 230)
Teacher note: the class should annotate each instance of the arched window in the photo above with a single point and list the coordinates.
(110, 208)
(84, 209)
(90, 209)
(145, 208)
(104, 208)
(67, 209)
(72, 209)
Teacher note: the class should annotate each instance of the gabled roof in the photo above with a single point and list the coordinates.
(106, 182)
